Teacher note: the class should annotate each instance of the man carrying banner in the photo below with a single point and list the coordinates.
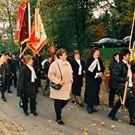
(122, 73)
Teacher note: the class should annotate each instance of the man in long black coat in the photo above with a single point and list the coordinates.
(120, 75)
(112, 82)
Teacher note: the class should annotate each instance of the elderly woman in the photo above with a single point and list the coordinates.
(94, 72)
(26, 86)
(60, 73)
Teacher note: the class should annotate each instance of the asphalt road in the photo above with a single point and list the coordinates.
(77, 120)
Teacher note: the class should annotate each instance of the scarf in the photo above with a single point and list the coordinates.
(130, 82)
(93, 65)
(33, 74)
(80, 66)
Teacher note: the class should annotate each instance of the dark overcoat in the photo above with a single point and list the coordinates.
(77, 79)
(25, 87)
(112, 81)
(120, 75)
(92, 83)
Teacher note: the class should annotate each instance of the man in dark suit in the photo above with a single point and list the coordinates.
(37, 67)
(112, 82)
(46, 69)
(14, 70)
(121, 75)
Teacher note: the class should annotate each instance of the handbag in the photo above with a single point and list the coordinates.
(54, 85)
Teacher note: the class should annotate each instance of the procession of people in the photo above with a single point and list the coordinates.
(67, 80)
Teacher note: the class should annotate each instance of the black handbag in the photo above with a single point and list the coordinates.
(54, 85)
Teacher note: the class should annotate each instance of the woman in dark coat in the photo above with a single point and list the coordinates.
(78, 67)
(94, 72)
(2, 77)
(26, 86)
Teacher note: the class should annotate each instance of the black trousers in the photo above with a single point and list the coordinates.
(97, 100)
(2, 91)
(59, 105)
(47, 84)
(77, 85)
(92, 98)
(112, 93)
(14, 79)
(32, 104)
(8, 82)
(130, 104)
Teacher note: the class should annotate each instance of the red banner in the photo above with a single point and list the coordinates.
(38, 36)
(20, 17)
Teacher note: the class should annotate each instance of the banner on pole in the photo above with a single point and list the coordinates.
(20, 17)
(38, 37)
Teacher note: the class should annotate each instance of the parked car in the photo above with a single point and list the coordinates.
(111, 42)
(125, 41)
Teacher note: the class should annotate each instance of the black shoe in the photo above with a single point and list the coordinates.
(35, 113)
(43, 93)
(111, 106)
(4, 99)
(9, 91)
(80, 104)
(113, 118)
(73, 101)
(94, 110)
(60, 122)
(26, 113)
(90, 110)
(132, 122)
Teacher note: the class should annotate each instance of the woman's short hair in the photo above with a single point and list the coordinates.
(60, 52)
(115, 54)
(123, 53)
(93, 50)
(76, 52)
(27, 58)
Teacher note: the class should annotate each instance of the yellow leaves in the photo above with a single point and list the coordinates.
(75, 133)
(34, 126)
(100, 30)
(50, 121)
(61, 133)
(84, 129)
(113, 126)
(102, 123)
(94, 124)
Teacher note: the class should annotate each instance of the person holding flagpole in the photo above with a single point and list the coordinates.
(122, 73)
(26, 86)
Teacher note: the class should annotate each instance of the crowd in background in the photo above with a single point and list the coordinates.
(65, 77)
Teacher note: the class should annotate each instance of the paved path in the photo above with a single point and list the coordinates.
(77, 120)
